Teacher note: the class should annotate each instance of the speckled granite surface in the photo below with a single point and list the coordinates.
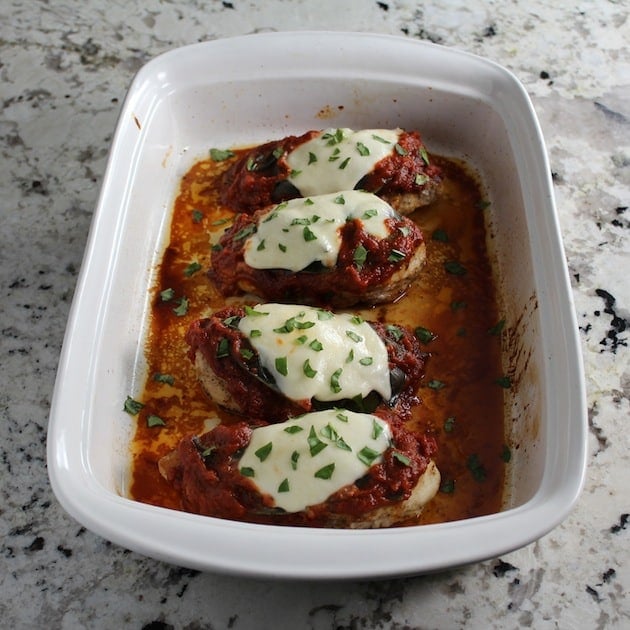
(65, 67)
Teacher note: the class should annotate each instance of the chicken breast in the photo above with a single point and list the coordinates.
(333, 468)
(279, 360)
(387, 162)
(334, 250)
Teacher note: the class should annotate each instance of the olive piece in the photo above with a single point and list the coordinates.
(397, 380)
(284, 190)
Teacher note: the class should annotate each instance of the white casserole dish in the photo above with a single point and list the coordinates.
(256, 88)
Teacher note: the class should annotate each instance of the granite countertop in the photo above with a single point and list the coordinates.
(65, 69)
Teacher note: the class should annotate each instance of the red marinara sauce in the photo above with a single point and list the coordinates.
(452, 306)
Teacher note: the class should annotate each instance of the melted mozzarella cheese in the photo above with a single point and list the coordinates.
(337, 159)
(299, 232)
(313, 353)
(302, 461)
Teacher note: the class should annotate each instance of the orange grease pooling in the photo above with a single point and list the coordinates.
(461, 402)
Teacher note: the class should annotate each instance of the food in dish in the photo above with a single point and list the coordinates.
(332, 468)
(394, 164)
(336, 250)
(282, 360)
(450, 307)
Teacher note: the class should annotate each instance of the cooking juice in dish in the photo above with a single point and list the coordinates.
(451, 307)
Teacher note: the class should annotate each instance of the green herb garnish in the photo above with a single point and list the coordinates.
(191, 269)
(223, 348)
(359, 257)
(167, 295)
(356, 338)
(402, 459)
(219, 155)
(334, 381)
(263, 452)
(476, 468)
(424, 334)
(440, 235)
(294, 459)
(131, 406)
(163, 378)
(155, 421)
(309, 372)
(455, 268)
(281, 365)
(367, 455)
(497, 328)
(182, 308)
(449, 424)
(315, 445)
(325, 472)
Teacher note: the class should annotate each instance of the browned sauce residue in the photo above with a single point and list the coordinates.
(461, 402)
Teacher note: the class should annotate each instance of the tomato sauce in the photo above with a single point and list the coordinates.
(452, 305)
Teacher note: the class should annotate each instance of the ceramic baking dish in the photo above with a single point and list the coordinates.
(256, 88)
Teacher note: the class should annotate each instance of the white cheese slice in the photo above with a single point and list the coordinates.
(304, 460)
(299, 232)
(313, 353)
(337, 159)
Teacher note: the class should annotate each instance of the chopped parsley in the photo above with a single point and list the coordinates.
(367, 455)
(167, 295)
(132, 407)
(362, 149)
(309, 372)
(334, 381)
(281, 366)
(315, 445)
(316, 345)
(192, 269)
(263, 452)
(440, 235)
(223, 348)
(359, 257)
(424, 334)
(155, 421)
(219, 155)
(455, 268)
(402, 459)
(449, 424)
(163, 378)
(182, 307)
(476, 468)
(325, 472)
(497, 328)
(356, 338)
